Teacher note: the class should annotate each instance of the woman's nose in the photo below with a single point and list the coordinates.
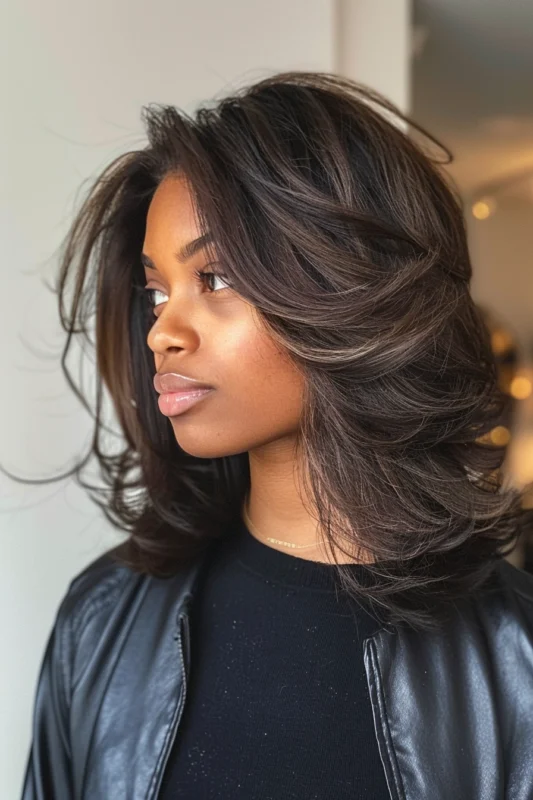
(169, 333)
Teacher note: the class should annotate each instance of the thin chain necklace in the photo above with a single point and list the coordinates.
(276, 541)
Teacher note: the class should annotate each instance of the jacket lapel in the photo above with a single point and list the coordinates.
(435, 711)
(133, 687)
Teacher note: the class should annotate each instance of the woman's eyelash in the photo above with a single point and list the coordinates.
(200, 275)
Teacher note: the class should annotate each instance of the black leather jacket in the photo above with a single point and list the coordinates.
(453, 710)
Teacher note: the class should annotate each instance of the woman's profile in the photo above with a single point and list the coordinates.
(311, 599)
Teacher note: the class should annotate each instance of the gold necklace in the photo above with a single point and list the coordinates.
(277, 541)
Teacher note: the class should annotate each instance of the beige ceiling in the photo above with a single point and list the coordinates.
(473, 86)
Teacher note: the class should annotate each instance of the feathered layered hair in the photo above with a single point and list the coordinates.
(345, 235)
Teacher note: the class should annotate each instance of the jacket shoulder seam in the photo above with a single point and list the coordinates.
(94, 603)
(519, 582)
(527, 597)
(88, 592)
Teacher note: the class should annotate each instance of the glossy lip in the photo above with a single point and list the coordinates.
(174, 382)
(171, 404)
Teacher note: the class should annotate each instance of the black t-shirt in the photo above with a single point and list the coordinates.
(277, 705)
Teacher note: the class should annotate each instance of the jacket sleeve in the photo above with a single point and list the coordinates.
(48, 771)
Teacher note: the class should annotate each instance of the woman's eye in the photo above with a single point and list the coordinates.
(152, 299)
(203, 275)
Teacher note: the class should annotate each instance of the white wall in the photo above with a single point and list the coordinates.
(374, 45)
(77, 77)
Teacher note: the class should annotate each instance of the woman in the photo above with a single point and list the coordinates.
(312, 600)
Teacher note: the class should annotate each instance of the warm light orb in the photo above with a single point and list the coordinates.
(480, 210)
(500, 435)
(484, 207)
(501, 341)
(520, 387)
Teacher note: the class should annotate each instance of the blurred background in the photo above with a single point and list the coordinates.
(74, 78)
(472, 86)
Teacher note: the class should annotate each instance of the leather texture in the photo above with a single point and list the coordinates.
(453, 710)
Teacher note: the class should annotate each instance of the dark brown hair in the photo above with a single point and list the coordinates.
(344, 233)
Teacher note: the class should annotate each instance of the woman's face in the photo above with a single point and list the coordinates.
(208, 332)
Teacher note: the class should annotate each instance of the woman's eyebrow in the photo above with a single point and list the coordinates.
(186, 252)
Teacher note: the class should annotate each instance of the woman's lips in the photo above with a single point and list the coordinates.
(173, 403)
